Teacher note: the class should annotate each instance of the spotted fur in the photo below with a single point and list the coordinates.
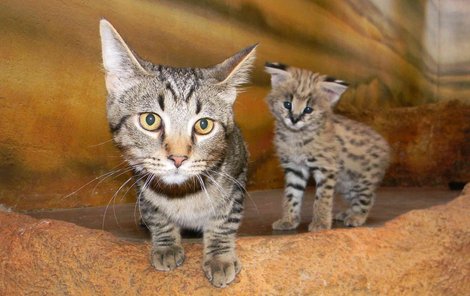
(342, 155)
(184, 179)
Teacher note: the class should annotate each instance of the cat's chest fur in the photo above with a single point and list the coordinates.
(191, 211)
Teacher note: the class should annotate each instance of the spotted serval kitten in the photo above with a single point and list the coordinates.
(343, 155)
(175, 127)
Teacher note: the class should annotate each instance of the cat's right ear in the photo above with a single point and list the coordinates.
(278, 73)
(122, 68)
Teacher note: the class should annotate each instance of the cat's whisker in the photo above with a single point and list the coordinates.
(146, 183)
(138, 198)
(137, 204)
(109, 202)
(205, 160)
(99, 144)
(217, 185)
(235, 181)
(119, 173)
(105, 175)
(128, 189)
(113, 198)
(224, 174)
(122, 197)
(86, 184)
(206, 193)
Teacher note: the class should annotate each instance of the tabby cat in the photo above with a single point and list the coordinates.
(342, 155)
(175, 127)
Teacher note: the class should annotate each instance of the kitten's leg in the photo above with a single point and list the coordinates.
(323, 204)
(340, 216)
(362, 200)
(167, 252)
(296, 181)
(220, 263)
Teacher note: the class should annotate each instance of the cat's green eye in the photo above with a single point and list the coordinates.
(150, 121)
(204, 126)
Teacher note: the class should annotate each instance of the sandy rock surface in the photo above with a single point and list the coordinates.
(424, 252)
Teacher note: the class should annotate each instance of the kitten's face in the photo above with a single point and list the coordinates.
(300, 98)
(171, 123)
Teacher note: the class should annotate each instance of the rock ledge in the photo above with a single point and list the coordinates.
(424, 252)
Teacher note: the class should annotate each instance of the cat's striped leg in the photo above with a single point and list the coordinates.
(221, 263)
(323, 205)
(296, 181)
(361, 199)
(340, 216)
(167, 252)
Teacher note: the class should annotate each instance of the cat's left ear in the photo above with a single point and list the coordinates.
(333, 88)
(235, 70)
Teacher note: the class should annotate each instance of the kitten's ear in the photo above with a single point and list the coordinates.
(334, 89)
(278, 72)
(235, 70)
(121, 65)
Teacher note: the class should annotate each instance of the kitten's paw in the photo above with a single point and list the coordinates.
(221, 271)
(341, 216)
(354, 220)
(283, 224)
(318, 225)
(167, 258)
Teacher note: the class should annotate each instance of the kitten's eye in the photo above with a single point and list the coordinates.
(204, 126)
(150, 121)
(308, 110)
(288, 105)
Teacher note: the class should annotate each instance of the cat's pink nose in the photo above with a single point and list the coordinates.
(177, 159)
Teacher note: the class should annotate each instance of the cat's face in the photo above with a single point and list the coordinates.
(170, 123)
(300, 98)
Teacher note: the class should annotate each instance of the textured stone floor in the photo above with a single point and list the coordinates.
(262, 208)
(422, 252)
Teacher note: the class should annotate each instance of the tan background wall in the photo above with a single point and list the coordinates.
(408, 63)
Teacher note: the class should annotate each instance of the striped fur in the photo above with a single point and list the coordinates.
(206, 189)
(342, 155)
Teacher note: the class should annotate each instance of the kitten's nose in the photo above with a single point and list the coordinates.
(177, 159)
(294, 119)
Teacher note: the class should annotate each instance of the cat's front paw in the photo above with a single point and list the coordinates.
(221, 271)
(350, 219)
(341, 216)
(167, 258)
(319, 225)
(283, 224)
(354, 220)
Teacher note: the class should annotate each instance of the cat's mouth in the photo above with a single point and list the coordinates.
(175, 178)
(293, 126)
(178, 190)
(177, 183)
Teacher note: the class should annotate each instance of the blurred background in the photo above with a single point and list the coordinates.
(408, 63)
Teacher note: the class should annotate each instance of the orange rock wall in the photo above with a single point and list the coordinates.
(53, 132)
